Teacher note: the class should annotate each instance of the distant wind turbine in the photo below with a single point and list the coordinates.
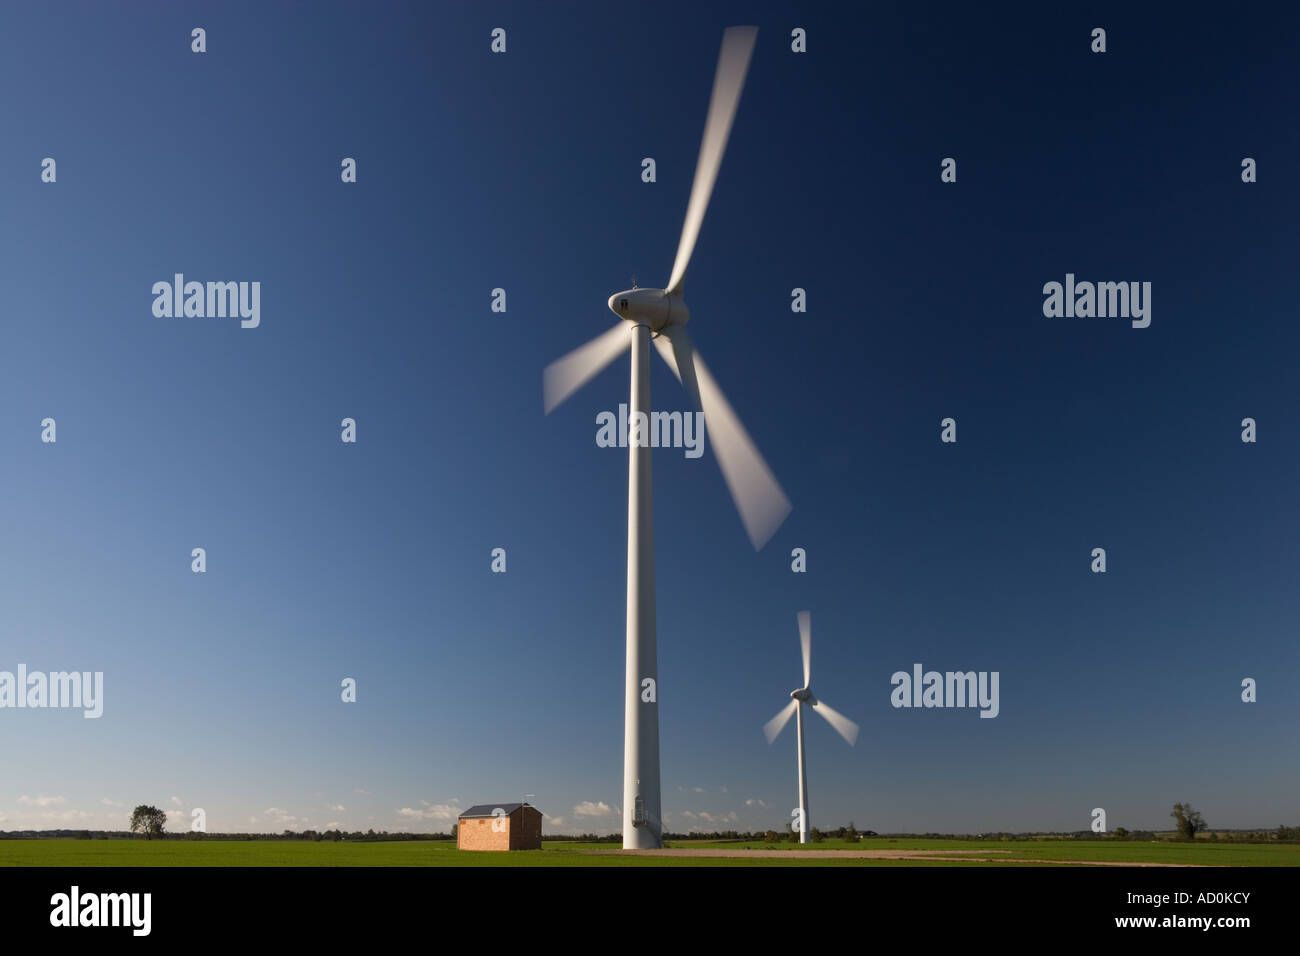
(846, 728)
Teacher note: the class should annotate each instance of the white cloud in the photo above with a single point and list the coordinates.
(112, 803)
(41, 801)
(440, 812)
(589, 808)
(336, 807)
(280, 819)
(176, 801)
(555, 821)
(65, 816)
(714, 820)
(754, 802)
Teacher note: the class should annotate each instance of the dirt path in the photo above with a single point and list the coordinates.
(973, 856)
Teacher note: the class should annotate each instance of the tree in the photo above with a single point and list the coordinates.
(1120, 833)
(147, 820)
(852, 833)
(1190, 821)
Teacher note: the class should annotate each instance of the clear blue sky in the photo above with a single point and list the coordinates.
(522, 171)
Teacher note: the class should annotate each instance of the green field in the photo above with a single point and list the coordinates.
(215, 852)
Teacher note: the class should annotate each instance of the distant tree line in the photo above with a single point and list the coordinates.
(356, 836)
(763, 836)
(1282, 834)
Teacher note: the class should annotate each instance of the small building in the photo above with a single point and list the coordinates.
(500, 826)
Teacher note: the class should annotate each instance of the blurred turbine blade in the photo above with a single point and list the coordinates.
(566, 375)
(777, 723)
(759, 499)
(678, 352)
(847, 728)
(733, 64)
(805, 640)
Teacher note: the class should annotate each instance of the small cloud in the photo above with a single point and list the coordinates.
(176, 801)
(589, 808)
(41, 801)
(366, 792)
(336, 807)
(332, 825)
(440, 812)
(282, 819)
(712, 819)
(697, 789)
(754, 802)
(556, 821)
(66, 816)
(111, 803)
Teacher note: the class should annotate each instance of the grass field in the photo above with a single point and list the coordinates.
(213, 852)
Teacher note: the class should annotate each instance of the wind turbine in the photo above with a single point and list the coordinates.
(847, 728)
(660, 315)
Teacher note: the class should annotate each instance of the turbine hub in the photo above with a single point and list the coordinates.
(802, 693)
(650, 307)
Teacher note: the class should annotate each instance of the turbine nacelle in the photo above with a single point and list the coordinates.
(654, 308)
(803, 694)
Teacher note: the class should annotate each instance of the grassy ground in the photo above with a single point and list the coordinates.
(1202, 852)
(79, 853)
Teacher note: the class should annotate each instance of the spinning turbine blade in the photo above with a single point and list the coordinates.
(777, 723)
(805, 639)
(847, 728)
(679, 353)
(733, 64)
(759, 499)
(566, 375)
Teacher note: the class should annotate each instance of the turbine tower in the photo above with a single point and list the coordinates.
(660, 315)
(847, 728)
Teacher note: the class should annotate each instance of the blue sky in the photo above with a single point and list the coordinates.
(522, 171)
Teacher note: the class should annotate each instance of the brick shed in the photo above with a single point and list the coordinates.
(518, 826)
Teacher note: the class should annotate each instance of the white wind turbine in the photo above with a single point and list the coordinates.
(660, 315)
(847, 728)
